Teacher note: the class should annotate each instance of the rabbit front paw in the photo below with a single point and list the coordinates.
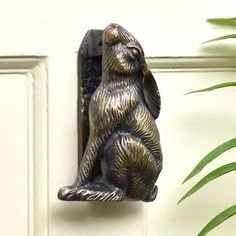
(67, 193)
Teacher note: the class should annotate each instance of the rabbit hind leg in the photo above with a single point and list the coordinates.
(127, 163)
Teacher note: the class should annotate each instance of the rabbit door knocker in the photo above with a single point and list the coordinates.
(120, 156)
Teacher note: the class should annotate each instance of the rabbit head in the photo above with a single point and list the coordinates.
(122, 53)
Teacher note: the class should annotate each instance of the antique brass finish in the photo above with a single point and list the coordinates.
(118, 101)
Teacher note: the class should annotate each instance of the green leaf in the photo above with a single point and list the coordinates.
(217, 86)
(211, 156)
(223, 21)
(224, 215)
(229, 36)
(211, 176)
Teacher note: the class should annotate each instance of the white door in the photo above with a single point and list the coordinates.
(38, 134)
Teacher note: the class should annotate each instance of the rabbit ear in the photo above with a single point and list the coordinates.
(151, 94)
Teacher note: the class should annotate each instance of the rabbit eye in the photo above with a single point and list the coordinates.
(133, 52)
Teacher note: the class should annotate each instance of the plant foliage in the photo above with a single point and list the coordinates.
(226, 22)
(216, 152)
(224, 215)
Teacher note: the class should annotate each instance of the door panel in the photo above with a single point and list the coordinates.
(190, 127)
(15, 153)
(24, 146)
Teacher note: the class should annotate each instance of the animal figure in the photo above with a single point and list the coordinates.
(122, 158)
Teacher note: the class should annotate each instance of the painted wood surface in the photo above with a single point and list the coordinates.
(38, 78)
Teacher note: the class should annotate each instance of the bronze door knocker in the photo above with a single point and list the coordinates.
(120, 156)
